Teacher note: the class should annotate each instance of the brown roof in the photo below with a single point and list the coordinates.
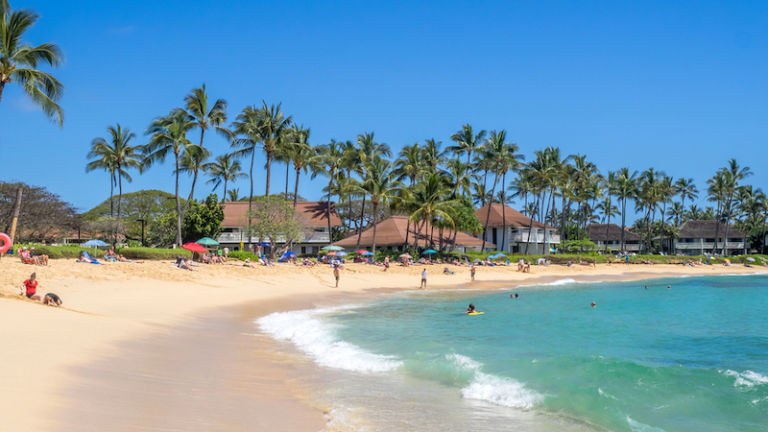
(706, 229)
(311, 213)
(391, 232)
(513, 217)
(604, 232)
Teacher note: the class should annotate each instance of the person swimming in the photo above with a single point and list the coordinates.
(471, 309)
(593, 304)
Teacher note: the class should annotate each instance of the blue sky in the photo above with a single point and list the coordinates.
(680, 86)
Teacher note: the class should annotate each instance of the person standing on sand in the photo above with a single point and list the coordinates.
(424, 278)
(472, 270)
(386, 263)
(336, 274)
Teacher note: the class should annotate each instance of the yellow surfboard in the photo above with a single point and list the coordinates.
(475, 313)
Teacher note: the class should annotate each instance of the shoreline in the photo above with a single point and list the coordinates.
(116, 311)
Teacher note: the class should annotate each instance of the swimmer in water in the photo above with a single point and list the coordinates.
(594, 304)
(669, 286)
(471, 308)
(646, 287)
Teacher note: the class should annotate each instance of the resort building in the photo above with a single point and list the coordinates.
(542, 238)
(698, 238)
(608, 237)
(311, 214)
(391, 234)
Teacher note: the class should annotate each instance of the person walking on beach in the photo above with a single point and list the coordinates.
(472, 270)
(336, 274)
(424, 279)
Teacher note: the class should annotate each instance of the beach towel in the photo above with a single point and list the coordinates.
(88, 256)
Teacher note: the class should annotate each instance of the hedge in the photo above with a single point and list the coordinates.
(153, 253)
(59, 252)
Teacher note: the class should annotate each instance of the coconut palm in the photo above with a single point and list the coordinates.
(302, 154)
(366, 151)
(626, 188)
(650, 194)
(234, 194)
(431, 202)
(686, 189)
(736, 173)
(329, 161)
(381, 184)
(19, 61)
(271, 129)
(246, 141)
(116, 152)
(718, 188)
(496, 148)
(462, 176)
(410, 163)
(224, 170)
(204, 118)
(432, 154)
(467, 141)
(168, 135)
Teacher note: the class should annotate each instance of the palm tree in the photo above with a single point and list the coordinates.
(686, 189)
(169, 135)
(18, 61)
(626, 188)
(432, 154)
(467, 141)
(462, 176)
(118, 153)
(431, 203)
(247, 139)
(496, 148)
(329, 161)
(366, 151)
(381, 185)
(509, 159)
(737, 174)
(302, 154)
(234, 194)
(650, 194)
(198, 112)
(272, 125)
(224, 170)
(717, 191)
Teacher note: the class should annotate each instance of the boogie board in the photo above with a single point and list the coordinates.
(475, 313)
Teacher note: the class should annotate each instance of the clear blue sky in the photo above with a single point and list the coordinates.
(680, 86)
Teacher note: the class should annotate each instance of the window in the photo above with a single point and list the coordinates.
(303, 250)
(319, 229)
(734, 240)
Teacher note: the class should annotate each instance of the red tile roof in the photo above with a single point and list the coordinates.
(513, 217)
(391, 232)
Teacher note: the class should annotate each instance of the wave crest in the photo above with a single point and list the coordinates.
(747, 378)
(317, 339)
(494, 389)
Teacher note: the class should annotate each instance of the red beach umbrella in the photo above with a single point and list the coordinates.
(194, 247)
(362, 251)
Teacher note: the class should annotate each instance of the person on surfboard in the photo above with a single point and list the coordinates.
(471, 309)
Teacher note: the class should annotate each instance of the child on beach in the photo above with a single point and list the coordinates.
(336, 274)
(472, 270)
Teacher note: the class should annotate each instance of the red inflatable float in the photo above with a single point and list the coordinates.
(5, 243)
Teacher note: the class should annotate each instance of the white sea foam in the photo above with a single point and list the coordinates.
(747, 378)
(494, 389)
(636, 426)
(605, 394)
(317, 338)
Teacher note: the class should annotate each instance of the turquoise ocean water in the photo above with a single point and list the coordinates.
(690, 358)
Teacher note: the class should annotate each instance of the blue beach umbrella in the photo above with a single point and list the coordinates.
(332, 248)
(367, 254)
(340, 254)
(95, 243)
(429, 251)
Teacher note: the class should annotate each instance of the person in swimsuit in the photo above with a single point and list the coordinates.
(30, 288)
(471, 309)
(423, 278)
(336, 274)
(472, 270)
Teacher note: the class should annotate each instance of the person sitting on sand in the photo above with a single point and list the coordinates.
(86, 258)
(386, 263)
(40, 259)
(248, 264)
(447, 271)
(183, 263)
(29, 288)
(471, 309)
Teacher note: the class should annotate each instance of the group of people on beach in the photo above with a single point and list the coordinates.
(29, 256)
(29, 289)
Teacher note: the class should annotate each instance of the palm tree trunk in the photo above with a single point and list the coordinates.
(488, 215)
(250, 201)
(224, 197)
(530, 228)
(503, 211)
(119, 200)
(717, 228)
(373, 247)
(408, 230)
(2, 86)
(178, 205)
(328, 208)
(765, 222)
(648, 228)
(269, 170)
(111, 194)
(296, 189)
(360, 228)
(287, 170)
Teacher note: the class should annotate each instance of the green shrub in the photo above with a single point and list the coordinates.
(153, 253)
(59, 252)
(242, 255)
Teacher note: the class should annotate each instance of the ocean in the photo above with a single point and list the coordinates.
(693, 357)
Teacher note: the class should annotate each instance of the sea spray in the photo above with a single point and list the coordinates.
(317, 338)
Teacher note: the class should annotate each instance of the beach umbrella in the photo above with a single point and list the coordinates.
(193, 247)
(362, 251)
(477, 260)
(366, 253)
(341, 254)
(333, 253)
(497, 255)
(429, 252)
(207, 241)
(405, 255)
(95, 243)
(332, 248)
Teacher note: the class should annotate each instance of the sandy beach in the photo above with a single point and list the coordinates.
(151, 347)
